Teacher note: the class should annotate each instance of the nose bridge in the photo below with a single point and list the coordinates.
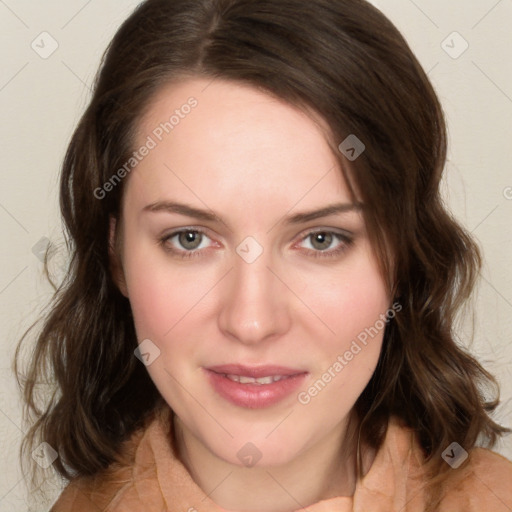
(255, 305)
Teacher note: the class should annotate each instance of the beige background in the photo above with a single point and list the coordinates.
(41, 100)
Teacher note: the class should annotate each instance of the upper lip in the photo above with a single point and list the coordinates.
(254, 371)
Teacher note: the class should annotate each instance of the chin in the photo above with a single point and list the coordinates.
(259, 449)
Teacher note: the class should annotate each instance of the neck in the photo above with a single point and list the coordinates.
(325, 470)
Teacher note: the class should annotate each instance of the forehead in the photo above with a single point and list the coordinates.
(227, 143)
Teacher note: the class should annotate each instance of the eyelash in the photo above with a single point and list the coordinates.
(346, 240)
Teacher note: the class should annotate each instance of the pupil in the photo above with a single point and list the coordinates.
(322, 240)
(190, 239)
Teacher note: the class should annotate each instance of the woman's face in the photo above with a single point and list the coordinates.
(257, 284)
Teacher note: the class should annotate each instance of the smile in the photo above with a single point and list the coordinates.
(242, 379)
(254, 387)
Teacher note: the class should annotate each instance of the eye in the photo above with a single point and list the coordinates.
(185, 242)
(189, 240)
(325, 243)
(321, 240)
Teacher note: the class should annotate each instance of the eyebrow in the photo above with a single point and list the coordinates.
(206, 215)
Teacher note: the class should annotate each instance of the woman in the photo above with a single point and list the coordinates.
(259, 309)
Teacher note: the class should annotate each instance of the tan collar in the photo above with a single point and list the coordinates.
(387, 486)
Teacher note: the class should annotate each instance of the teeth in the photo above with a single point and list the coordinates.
(251, 380)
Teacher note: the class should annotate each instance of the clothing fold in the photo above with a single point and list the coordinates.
(154, 479)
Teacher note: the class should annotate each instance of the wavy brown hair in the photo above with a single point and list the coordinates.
(344, 60)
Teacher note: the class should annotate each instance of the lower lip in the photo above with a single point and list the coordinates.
(254, 396)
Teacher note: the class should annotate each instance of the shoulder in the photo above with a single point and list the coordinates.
(119, 482)
(482, 482)
(94, 493)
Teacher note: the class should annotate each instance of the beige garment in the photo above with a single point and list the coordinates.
(154, 480)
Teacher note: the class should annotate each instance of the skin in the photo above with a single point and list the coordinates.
(253, 160)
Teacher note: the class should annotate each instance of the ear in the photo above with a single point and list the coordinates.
(116, 265)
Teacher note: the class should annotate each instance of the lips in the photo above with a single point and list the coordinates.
(254, 387)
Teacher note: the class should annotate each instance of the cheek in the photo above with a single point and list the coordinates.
(159, 294)
(349, 303)
(352, 305)
(348, 357)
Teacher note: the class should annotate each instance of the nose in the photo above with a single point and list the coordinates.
(255, 304)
